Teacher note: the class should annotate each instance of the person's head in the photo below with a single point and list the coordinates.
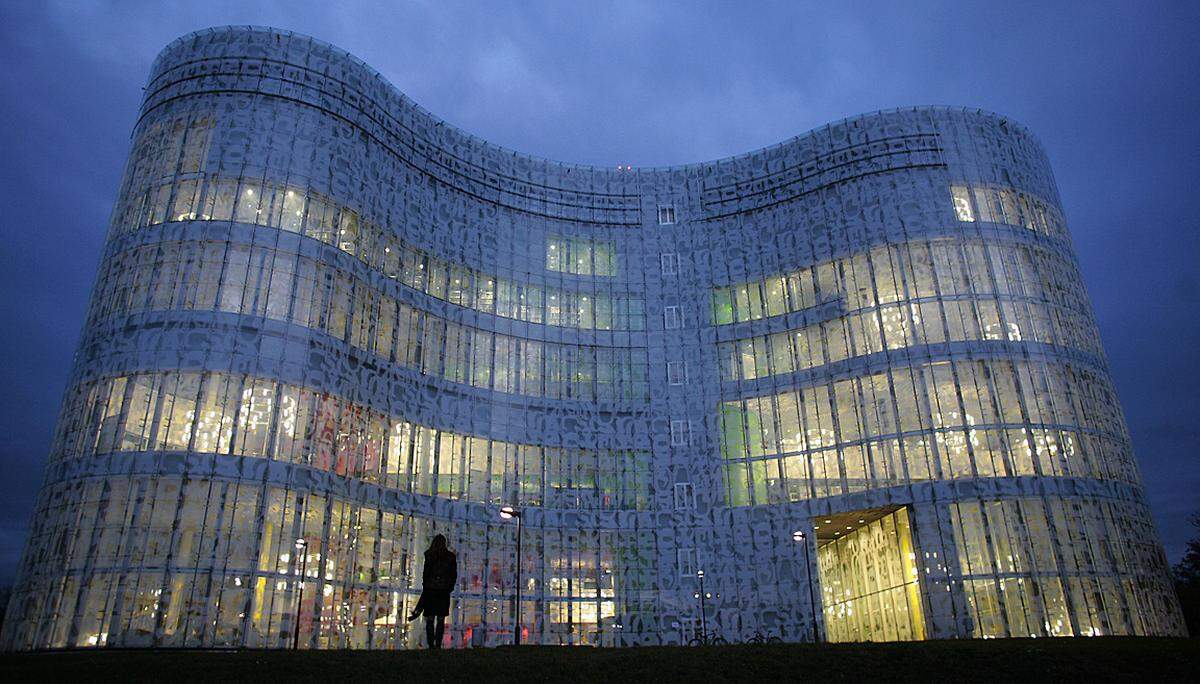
(438, 543)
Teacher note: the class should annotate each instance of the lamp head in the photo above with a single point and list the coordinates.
(508, 512)
(700, 574)
(301, 543)
(799, 536)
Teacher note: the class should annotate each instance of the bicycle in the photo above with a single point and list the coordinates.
(760, 638)
(709, 639)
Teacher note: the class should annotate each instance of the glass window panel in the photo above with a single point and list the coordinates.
(249, 201)
(775, 296)
(292, 219)
(962, 203)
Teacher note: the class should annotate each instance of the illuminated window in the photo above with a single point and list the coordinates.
(869, 579)
(666, 214)
(556, 254)
(581, 256)
(723, 305)
(962, 203)
(605, 258)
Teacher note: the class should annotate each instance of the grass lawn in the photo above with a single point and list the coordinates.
(1146, 661)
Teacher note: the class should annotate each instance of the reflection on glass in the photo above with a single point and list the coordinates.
(233, 414)
(299, 210)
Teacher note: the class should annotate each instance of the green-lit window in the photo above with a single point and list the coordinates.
(723, 305)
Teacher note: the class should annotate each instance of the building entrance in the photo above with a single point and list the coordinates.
(869, 582)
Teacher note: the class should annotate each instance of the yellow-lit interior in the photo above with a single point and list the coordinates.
(869, 582)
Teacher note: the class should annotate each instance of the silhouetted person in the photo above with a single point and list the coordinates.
(437, 581)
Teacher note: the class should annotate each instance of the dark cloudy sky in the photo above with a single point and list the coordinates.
(1111, 88)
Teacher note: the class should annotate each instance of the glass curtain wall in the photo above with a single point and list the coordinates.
(869, 582)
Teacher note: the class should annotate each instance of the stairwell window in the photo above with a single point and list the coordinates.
(680, 432)
(670, 263)
(672, 318)
(685, 559)
(685, 496)
(676, 373)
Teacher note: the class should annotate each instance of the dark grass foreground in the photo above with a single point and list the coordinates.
(1140, 660)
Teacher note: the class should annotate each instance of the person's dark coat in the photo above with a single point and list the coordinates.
(437, 581)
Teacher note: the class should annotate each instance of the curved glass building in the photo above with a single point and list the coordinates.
(323, 314)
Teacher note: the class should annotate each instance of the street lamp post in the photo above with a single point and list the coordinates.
(802, 538)
(508, 513)
(703, 618)
(302, 549)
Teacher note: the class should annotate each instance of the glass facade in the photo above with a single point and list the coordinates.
(301, 211)
(1056, 566)
(273, 282)
(870, 580)
(323, 314)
